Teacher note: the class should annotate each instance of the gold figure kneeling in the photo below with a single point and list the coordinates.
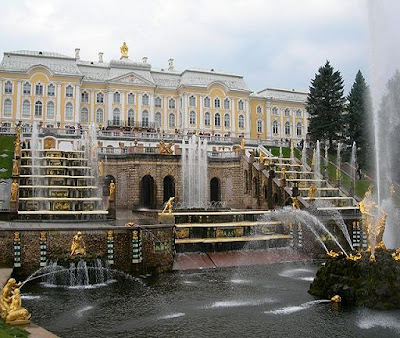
(78, 245)
(17, 312)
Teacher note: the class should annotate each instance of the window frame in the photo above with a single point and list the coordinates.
(47, 109)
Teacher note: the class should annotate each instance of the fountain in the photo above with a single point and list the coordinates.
(338, 163)
(317, 165)
(304, 154)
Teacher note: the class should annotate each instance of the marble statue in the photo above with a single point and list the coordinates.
(78, 245)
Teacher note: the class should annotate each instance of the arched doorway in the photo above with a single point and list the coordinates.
(147, 191)
(215, 190)
(169, 187)
(106, 186)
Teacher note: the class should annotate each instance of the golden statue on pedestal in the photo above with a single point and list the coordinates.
(78, 245)
(165, 149)
(295, 203)
(312, 191)
(10, 304)
(283, 173)
(242, 143)
(14, 191)
(112, 190)
(261, 158)
(374, 222)
(168, 206)
(15, 168)
(124, 51)
(17, 148)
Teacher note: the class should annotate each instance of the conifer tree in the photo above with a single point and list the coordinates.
(325, 105)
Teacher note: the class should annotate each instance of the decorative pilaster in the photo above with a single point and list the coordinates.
(58, 116)
(43, 248)
(19, 91)
(77, 110)
(136, 247)
(17, 250)
(109, 105)
(110, 247)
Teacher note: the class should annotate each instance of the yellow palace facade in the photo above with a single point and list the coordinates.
(61, 91)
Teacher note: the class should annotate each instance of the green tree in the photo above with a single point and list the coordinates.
(325, 105)
(358, 118)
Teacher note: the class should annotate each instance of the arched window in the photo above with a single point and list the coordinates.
(7, 107)
(217, 103)
(227, 121)
(8, 87)
(69, 91)
(241, 105)
(241, 121)
(99, 115)
(259, 110)
(51, 90)
(69, 111)
(227, 104)
(116, 117)
(299, 129)
(131, 117)
(207, 102)
(275, 127)
(117, 97)
(27, 88)
(171, 120)
(217, 119)
(275, 111)
(157, 102)
(50, 109)
(131, 98)
(207, 119)
(84, 115)
(26, 108)
(39, 89)
(171, 104)
(99, 98)
(287, 112)
(145, 99)
(287, 128)
(38, 108)
(145, 118)
(192, 118)
(157, 119)
(259, 126)
(192, 101)
(298, 113)
(85, 96)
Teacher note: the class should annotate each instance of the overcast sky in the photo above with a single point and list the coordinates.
(272, 43)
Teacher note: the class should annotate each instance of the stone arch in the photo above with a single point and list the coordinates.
(168, 187)
(215, 190)
(147, 192)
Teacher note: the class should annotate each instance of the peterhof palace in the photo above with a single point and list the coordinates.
(61, 91)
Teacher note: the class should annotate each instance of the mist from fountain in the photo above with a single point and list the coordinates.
(35, 154)
(326, 158)
(304, 154)
(338, 161)
(317, 165)
(353, 163)
(194, 167)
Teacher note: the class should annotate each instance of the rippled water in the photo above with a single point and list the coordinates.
(257, 301)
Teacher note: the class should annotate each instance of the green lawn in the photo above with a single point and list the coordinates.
(285, 151)
(8, 331)
(6, 148)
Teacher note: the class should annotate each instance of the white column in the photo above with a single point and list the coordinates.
(165, 119)
(268, 125)
(293, 131)
(77, 109)
(92, 112)
(185, 112)
(201, 114)
(248, 125)
(305, 125)
(58, 111)
(151, 117)
(123, 117)
(233, 117)
(109, 100)
(140, 108)
(18, 112)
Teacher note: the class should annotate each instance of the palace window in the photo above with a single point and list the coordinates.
(217, 103)
(259, 126)
(287, 112)
(131, 117)
(241, 121)
(157, 119)
(275, 111)
(207, 102)
(38, 108)
(145, 118)
(99, 98)
(51, 90)
(207, 119)
(241, 105)
(157, 102)
(69, 111)
(171, 120)
(227, 104)
(287, 128)
(117, 97)
(298, 113)
(50, 109)
(69, 91)
(26, 108)
(99, 115)
(192, 118)
(8, 87)
(84, 115)
(145, 99)
(131, 98)
(299, 129)
(227, 121)
(192, 101)
(39, 89)
(217, 120)
(26, 89)
(171, 104)
(259, 110)
(116, 117)
(85, 96)
(275, 127)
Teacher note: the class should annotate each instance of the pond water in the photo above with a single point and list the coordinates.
(257, 301)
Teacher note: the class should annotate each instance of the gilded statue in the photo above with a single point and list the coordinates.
(16, 312)
(312, 191)
(15, 168)
(17, 147)
(355, 257)
(14, 191)
(262, 158)
(168, 205)
(334, 254)
(164, 148)
(124, 51)
(374, 222)
(78, 245)
(101, 168)
(5, 301)
(242, 144)
(283, 173)
(111, 188)
(295, 203)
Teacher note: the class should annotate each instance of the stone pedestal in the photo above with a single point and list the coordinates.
(166, 218)
(111, 210)
(13, 207)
